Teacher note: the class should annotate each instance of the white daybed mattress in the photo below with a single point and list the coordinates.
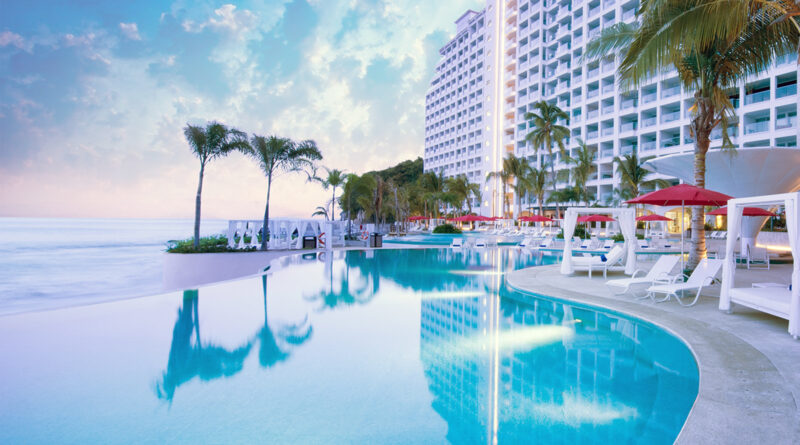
(772, 300)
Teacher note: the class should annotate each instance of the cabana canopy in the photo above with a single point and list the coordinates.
(627, 224)
(781, 302)
(594, 218)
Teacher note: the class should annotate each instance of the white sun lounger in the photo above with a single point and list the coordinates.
(480, 242)
(703, 275)
(613, 258)
(546, 243)
(608, 244)
(660, 270)
(457, 242)
(527, 242)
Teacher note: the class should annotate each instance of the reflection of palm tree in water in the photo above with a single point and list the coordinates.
(345, 296)
(188, 359)
(276, 346)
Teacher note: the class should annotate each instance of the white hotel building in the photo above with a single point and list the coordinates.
(515, 53)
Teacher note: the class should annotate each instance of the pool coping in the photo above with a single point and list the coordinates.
(742, 396)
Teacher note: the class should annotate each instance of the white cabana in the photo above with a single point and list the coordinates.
(627, 225)
(781, 302)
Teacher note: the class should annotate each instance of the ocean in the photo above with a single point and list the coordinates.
(47, 263)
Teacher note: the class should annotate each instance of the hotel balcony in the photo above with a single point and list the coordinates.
(756, 127)
(754, 98)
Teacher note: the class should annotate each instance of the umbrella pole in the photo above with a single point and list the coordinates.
(683, 219)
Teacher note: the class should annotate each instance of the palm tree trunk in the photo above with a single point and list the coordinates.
(698, 251)
(265, 229)
(541, 199)
(197, 206)
(333, 204)
(555, 188)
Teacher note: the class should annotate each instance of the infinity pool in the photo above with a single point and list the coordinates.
(386, 346)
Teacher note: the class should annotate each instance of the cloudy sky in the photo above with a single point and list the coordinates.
(94, 96)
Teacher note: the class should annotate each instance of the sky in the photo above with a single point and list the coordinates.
(94, 96)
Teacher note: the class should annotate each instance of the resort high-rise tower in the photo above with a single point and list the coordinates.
(513, 54)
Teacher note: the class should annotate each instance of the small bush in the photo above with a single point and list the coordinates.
(446, 228)
(580, 232)
(208, 244)
(618, 238)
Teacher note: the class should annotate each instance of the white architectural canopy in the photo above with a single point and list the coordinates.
(627, 225)
(740, 173)
(779, 301)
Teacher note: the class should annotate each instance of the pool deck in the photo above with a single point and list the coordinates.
(749, 365)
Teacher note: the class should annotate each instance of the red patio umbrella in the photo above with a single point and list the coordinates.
(683, 195)
(594, 218)
(653, 217)
(417, 218)
(748, 211)
(535, 218)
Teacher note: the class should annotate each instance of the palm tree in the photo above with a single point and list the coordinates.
(633, 176)
(433, 184)
(518, 167)
(714, 45)
(335, 178)
(461, 189)
(546, 133)
(505, 176)
(276, 155)
(535, 180)
(584, 168)
(213, 141)
(322, 211)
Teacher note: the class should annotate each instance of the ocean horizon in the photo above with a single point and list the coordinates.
(49, 263)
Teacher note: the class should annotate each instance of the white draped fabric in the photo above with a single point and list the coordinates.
(792, 219)
(570, 219)
(729, 266)
(627, 225)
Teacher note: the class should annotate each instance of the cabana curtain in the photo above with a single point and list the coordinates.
(791, 228)
(627, 225)
(729, 266)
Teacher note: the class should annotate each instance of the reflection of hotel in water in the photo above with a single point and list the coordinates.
(556, 393)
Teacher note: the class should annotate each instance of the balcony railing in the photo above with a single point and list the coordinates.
(753, 98)
(671, 142)
(786, 90)
(669, 117)
(648, 145)
(628, 104)
(667, 92)
(756, 127)
(627, 126)
(649, 97)
(591, 135)
(648, 121)
(608, 131)
(592, 114)
(785, 122)
(592, 93)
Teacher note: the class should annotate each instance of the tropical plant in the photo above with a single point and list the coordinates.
(584, 168)
(333, 179)
(276, 155)
(434, 187)
(213, 141)
(548, 132)
(446, 228)
(504, 176)
(633, 176)
(461, 189)
(518, 167)
(321, 211)
(535, 181)
(713, 45)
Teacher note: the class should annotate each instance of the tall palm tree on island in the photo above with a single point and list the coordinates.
(335, 178)
(276, 155)
(213, 141)
(546, 133)
(714, 45)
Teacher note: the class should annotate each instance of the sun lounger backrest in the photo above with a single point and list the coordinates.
(663, 266)
(704, 272)
(614, 254)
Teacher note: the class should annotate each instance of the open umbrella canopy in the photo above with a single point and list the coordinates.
(682, 194)
(595, 218)
(417, 218)
(653, 217)
(535, 218)
(471, 218)
(748, 211)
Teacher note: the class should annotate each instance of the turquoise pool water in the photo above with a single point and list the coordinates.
(444, 239)
(387, 346)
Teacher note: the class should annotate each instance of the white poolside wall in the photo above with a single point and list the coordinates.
(515, 53)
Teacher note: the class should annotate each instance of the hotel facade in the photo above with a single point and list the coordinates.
(513, 54)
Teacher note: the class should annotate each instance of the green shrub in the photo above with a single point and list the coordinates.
(618, 238)
(208, 244)
(580, 232)
(446, 228)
